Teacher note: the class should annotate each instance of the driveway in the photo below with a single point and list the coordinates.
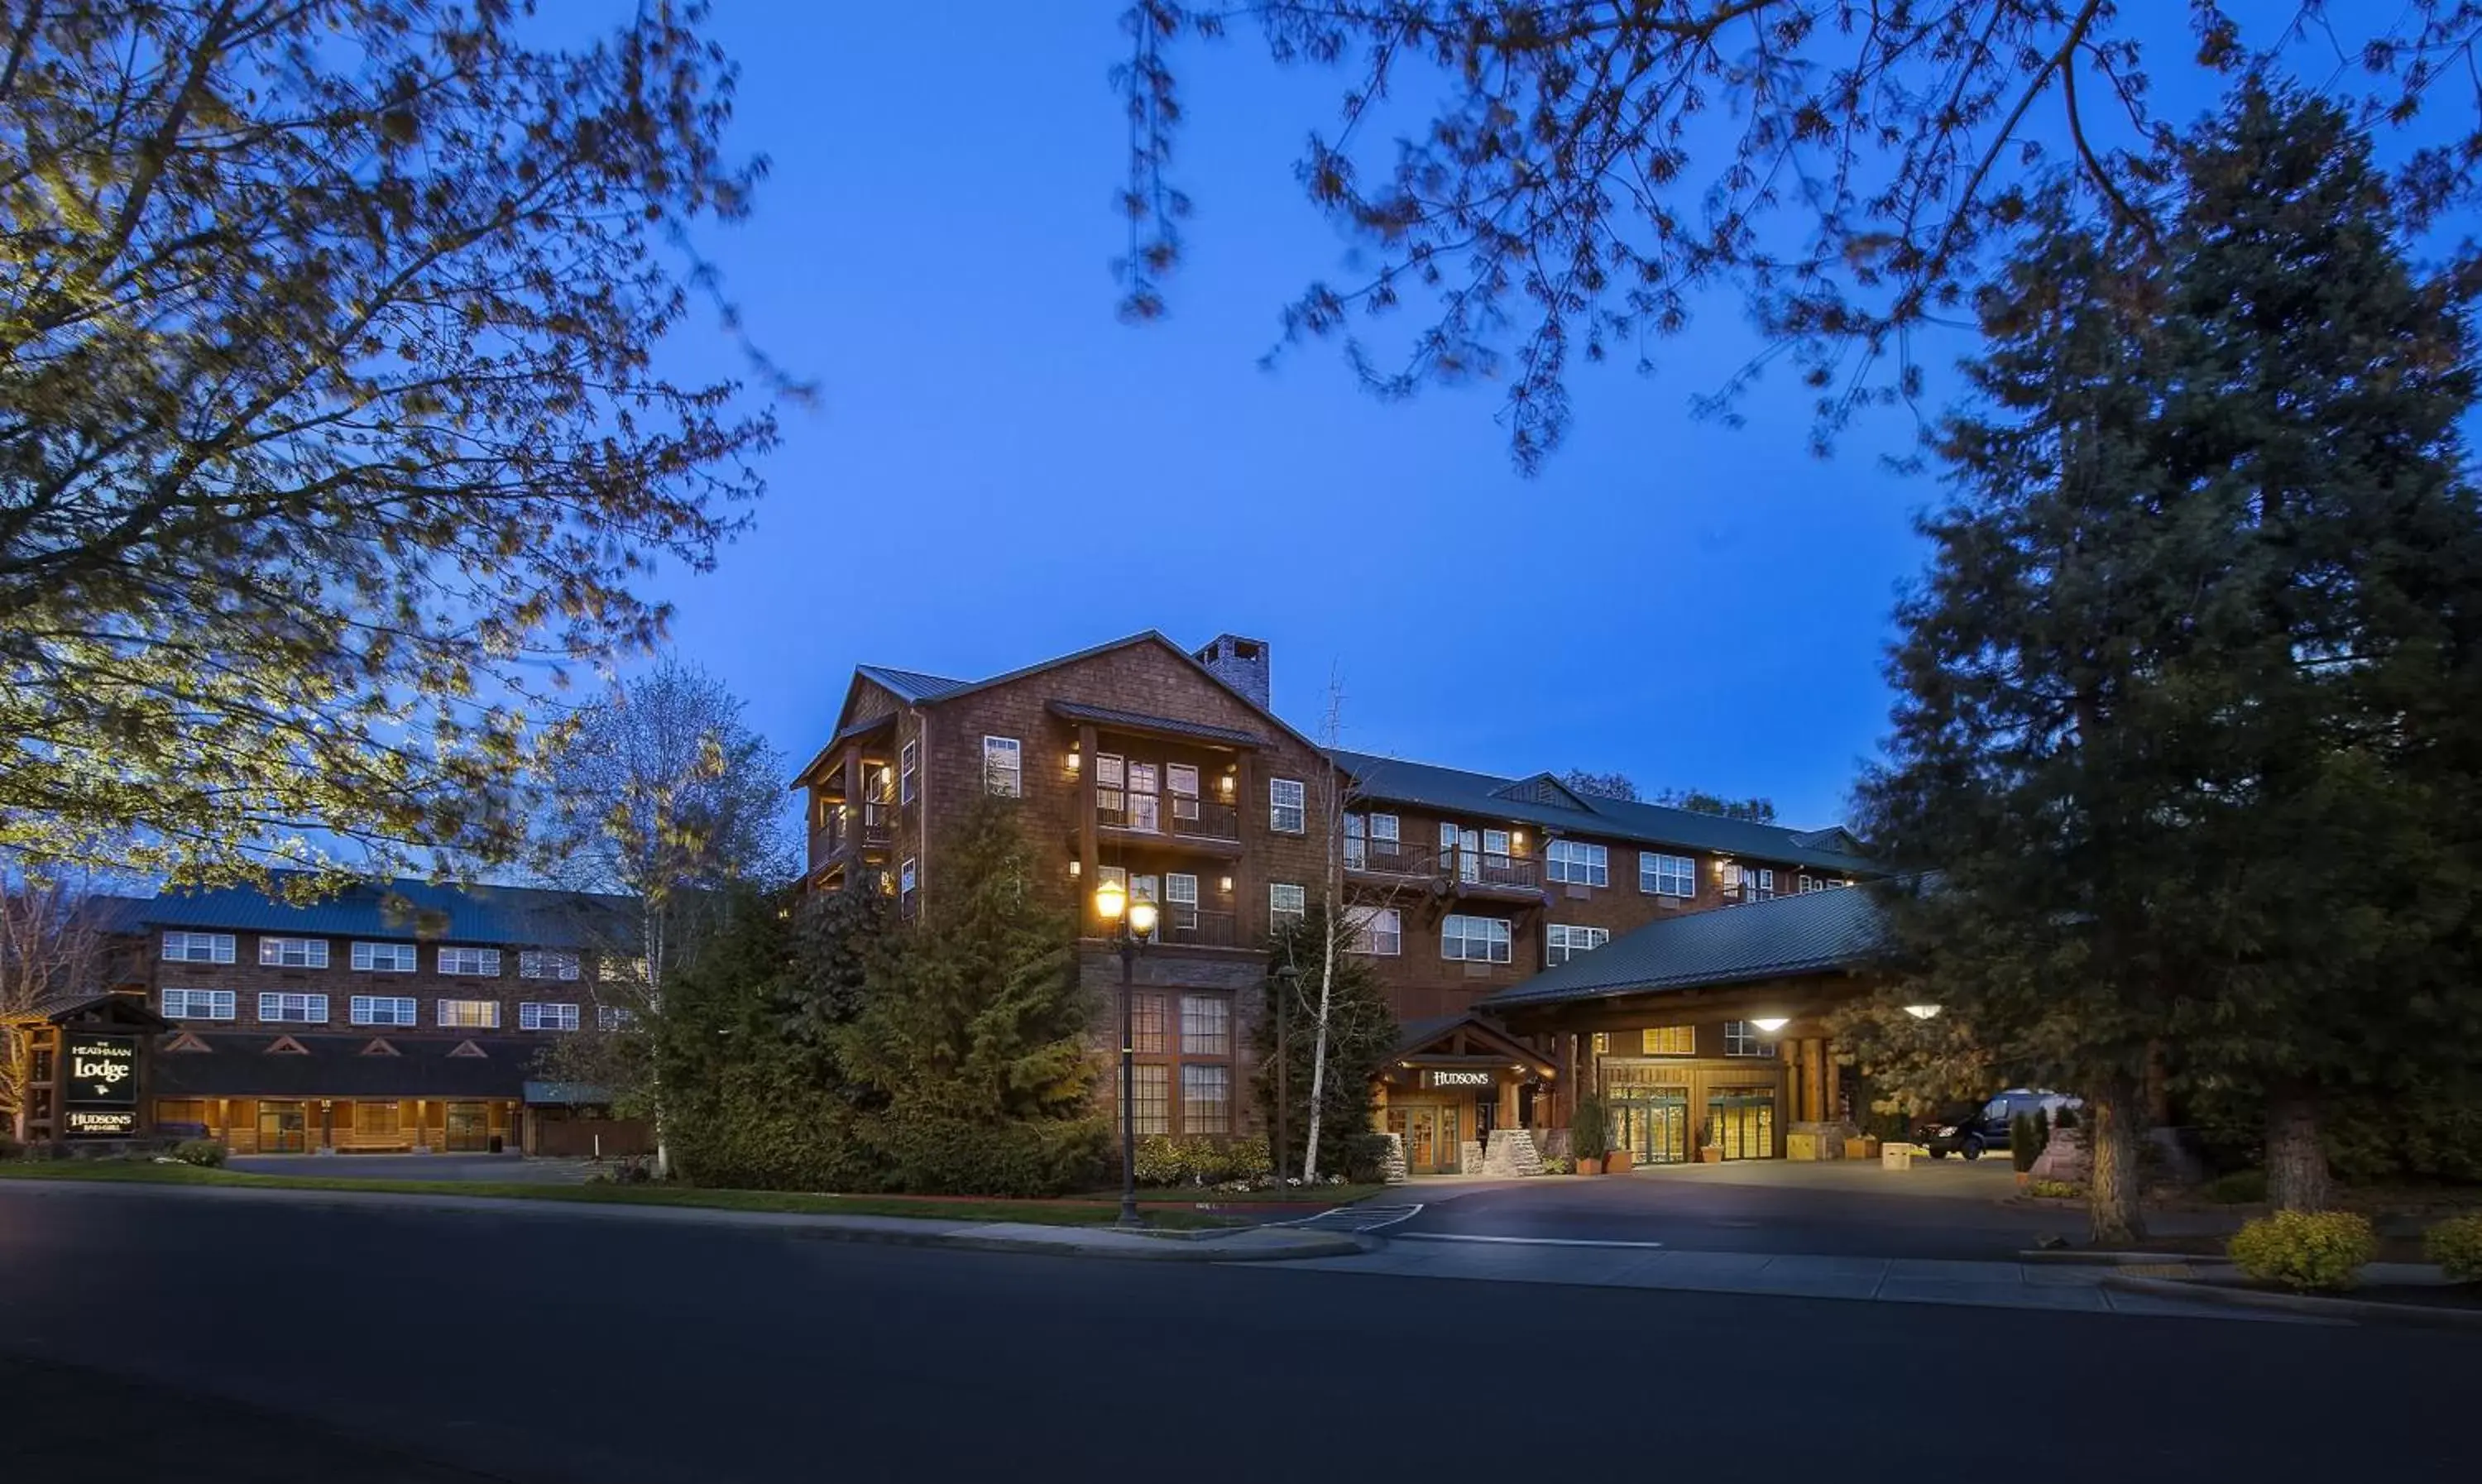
(1947, 1209)
(449, 1168)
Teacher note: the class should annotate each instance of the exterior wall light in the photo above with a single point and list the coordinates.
(1111, 900)
(1923, 1011)
(1072, 761)
(1769, 1024)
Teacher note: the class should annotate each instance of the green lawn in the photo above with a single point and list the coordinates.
(1082, 1212)
(1318, 1197)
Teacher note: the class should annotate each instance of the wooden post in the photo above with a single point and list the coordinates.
(1834, 1084)
(1813, 1079)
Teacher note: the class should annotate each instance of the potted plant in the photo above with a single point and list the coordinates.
(1589, 1138)
(1708, 1152)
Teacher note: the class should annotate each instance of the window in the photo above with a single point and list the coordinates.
(385, 1010)
(1742, 1039)
(469, 1014)
(1379, 931)
(1145, 804)
(1205, 1027)
(612, 969)
(552, 1016)
(1603, 1042)
(1474, 940)
(375, 1118)
(311, 1009)
(1286, 807)
(1579, 863)
(1003, 767)
(293, 952)
(909, 769)
(198, 1004)
(1147, 1024)
(1668, 1040)
(199, 947)
(909, 882)
(471, 963)
(1561, 942)
(1206, 1099)
(1368, 835)
(386, 958)
(614, 1018)
(1663, 875)
(1180, 901)
(1757, 885)
(1150, 1099)
(1180, 781)
(1286, 904)
(546, 963)
(1810, 883)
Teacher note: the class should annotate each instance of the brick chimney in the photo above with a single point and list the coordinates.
(1240, 663)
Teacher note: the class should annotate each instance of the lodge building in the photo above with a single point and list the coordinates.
(399, 1017)
(1474, 897)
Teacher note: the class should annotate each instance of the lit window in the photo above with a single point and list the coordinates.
(1475, 940)
(199, 947)
(546, 963)
(1003, 767)
(1206, 1099)
(386, 958)
(293, 952)
(1205, 1025)
(1669, 1041)
(1150, 1099)
(469, 1014)
(1579, 863)
(1757, 884)
(385, 1010)
(1379, 931)
(614, 1018)
(311, 1009)
(1662, 875)
(1286, 904)
(471, 963)
(909, 882)
(198, 1004)
(612, 969)
(908, 759)
(546, 1017)
(1562, 943)
(1180, 781)
(1742, 1039)
(1287, 811)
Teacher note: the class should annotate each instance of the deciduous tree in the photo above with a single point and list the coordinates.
(54, 946)
(331, 428)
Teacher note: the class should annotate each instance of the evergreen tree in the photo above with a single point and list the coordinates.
(971, 1041)
(2187, 698)
(1361, 1036)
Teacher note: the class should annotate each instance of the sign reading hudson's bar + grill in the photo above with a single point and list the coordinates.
(100, 1089)
(1444, 1079)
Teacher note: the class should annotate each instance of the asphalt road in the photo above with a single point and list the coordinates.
(1945, 1210)
(536, 1347)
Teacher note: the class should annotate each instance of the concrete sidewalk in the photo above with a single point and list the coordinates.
(2050, 1285)
(1234, 1244)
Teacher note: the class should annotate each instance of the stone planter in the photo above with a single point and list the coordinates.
(1862, 1149)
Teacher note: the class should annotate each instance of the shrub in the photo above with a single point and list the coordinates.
(2054, 1190)
(1557, 1166)
(1588, 1136)
(1365, 1158)
(2456, 1246)
(930, 1155)
(2305, 1249)
(2239, 1187)
(11, 1149)
(204, 1152)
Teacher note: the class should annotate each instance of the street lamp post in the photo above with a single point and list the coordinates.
(1132, 924)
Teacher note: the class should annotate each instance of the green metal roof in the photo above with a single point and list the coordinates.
(1809, 933)
(403, 909)
(1456, 791)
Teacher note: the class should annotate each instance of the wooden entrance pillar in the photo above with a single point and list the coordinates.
(1813, 1079)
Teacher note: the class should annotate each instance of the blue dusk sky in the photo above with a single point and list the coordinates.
(998, 470)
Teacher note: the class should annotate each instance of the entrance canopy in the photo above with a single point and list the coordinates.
(1793, 958)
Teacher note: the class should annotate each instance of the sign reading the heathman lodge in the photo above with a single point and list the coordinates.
(102, 1075)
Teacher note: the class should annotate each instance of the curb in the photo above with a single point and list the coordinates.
(2344, 1311)
(2075, 1258)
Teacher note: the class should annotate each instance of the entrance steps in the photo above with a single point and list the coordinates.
(1511, 1153)
(1393, 1168)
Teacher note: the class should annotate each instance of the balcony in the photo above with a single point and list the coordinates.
(838, 832)
(1387, 858)
(1494, 873)
(1188, 927)
(1180, 819)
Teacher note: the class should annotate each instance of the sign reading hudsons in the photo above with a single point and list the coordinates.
(100, 1088)
(1446, 1078)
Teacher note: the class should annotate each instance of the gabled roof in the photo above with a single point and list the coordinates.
(332, 1066)
(1139, 721)
(1456, 791)
(1544, 789)
(913, 686)
(1812, 933)
(406, 908)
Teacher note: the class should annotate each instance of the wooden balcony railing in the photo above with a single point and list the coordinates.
(877, 831)
(1159, 813)
(1191, 927)
(1386, 858)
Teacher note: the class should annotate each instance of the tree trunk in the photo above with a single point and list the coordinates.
(2113, 1134)
(2296, 1163)
(1318, 1053)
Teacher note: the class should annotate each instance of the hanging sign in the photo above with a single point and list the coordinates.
(1461, 1078)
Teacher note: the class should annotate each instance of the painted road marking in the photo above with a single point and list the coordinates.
(1355, 1218)
(1515, 1241)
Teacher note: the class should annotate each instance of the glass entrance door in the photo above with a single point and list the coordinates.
(1653, 1123)
(1741, 1122)
(282, 1129)
(1431, 1137)
(468, 1128)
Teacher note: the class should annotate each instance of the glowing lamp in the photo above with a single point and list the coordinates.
(1770, 1023)
(1142, 917)
(1921, 1012)
(1110, 899)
